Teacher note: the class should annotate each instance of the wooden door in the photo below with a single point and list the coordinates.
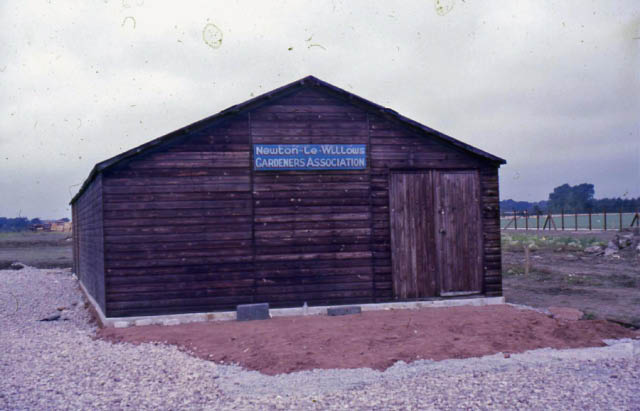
(458, 232)
(413, 235)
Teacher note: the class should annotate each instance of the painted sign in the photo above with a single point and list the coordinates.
(309, 157)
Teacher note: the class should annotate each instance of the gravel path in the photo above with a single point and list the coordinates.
(58, 365)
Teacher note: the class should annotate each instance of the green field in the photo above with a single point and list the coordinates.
(42, 250)
(597, 221)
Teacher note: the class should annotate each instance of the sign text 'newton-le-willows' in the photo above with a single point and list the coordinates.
(309, 157)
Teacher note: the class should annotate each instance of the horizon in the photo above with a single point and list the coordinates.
(501, 200)
(552, 88)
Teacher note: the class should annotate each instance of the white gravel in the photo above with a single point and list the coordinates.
(58, 365)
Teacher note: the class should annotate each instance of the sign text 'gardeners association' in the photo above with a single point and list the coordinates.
(309, 157)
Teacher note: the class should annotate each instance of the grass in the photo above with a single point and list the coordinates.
(623, 280)
(566, 290)
(584, 280)
(517, 242)
(39, 249)
(30, 238)
(537, 273)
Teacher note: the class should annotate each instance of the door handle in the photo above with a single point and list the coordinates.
(443, 231)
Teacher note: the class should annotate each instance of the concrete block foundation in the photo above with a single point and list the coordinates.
(173, 319)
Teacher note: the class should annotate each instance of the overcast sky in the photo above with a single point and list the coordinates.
(551, 86)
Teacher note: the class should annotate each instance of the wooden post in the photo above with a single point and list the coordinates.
(589, 220)
(526, 220)
(575, 216)
(549, 220)
(620, 219)
(527, 260)
(508, 224)
(537, 220)
(515, 220)
(636, 218)
(604, 213)
(562, 218)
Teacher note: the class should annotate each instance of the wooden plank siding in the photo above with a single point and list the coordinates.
(490, 206)
(312, 233)
(189, 226)
(178, 225)
(88, 241)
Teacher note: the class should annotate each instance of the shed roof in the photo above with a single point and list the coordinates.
(269, 96)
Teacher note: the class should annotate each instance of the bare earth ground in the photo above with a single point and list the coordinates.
(564, 275)
(42, 250)
(375, 339)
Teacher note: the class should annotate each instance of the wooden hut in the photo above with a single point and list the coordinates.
(307, 193)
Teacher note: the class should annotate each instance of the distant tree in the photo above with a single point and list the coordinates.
(626, 205)
(583, 196)
(35, 221)
(14, 224)
(537, 209)
(66, 220)
(509, 206)
(572, 198)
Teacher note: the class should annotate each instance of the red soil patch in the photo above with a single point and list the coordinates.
(375, 339)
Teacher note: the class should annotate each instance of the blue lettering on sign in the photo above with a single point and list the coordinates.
(309, 157)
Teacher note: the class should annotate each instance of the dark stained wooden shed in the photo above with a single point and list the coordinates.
(223, 212)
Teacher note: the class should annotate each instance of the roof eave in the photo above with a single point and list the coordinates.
(251, 103)
(409, 121)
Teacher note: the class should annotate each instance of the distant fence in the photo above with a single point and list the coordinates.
(569, 221)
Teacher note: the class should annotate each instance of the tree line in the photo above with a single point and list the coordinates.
(20, 223)
(572, 199)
